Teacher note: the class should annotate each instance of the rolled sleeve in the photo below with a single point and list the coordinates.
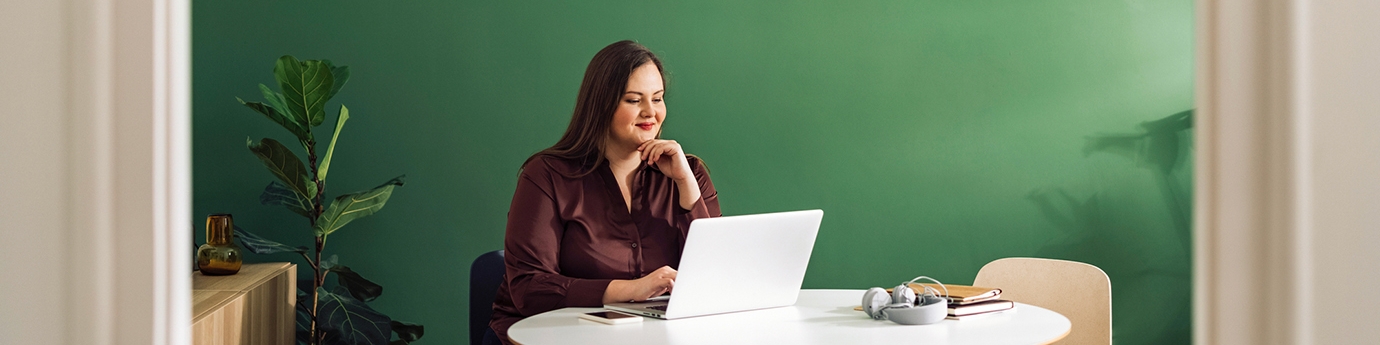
(707, 206)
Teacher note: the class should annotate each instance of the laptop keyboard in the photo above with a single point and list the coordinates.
(658, 307)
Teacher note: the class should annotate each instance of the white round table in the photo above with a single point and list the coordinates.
(818, 317)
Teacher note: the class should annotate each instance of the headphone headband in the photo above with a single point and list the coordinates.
(927, 288)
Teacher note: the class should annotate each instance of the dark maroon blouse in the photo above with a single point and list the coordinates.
(567, 238)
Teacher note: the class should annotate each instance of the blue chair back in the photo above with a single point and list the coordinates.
(486, 274)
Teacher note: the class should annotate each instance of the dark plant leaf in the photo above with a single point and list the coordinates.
(284, 165)
(341, 75)
(304, 287)
(348, 207)
(260, 245)
(362, 289)
(407, 332)
(345, 320)
(1156, 145)
(304, 311)
(278, 194)
(306, 86)
(303, 320)
(330, 262)
(1180, 121)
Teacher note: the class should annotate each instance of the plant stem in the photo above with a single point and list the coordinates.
(318, 278)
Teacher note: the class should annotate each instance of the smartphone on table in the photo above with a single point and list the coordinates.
(611, 317)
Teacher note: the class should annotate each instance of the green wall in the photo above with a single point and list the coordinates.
(936, 135)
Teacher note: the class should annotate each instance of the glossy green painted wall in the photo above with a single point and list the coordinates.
(936, 135)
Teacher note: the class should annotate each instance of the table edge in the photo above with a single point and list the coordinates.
(1018, 304)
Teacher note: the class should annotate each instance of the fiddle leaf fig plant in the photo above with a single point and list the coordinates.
(325, 315)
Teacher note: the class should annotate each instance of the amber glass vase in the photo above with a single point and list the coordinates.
(219, 256)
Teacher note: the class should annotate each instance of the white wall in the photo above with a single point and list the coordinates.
(1342, 88)
(33, 179)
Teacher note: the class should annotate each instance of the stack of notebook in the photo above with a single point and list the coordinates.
(970, 301)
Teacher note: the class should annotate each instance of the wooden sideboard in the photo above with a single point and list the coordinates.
(254, 306)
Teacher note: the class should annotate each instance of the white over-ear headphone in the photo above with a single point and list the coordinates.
(903, 306)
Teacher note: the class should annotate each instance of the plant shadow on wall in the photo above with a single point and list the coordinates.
(1123, 229)
(326, 314)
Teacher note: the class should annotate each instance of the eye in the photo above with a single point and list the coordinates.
(656, 100)
(632, 101)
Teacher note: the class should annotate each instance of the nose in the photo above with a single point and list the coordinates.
(647, 110)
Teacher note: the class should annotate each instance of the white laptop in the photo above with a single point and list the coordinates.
(737, 263)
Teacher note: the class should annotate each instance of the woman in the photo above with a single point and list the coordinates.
(602, 215)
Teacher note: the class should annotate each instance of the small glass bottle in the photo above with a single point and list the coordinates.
(219, 256)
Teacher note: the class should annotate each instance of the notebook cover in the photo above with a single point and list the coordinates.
(979, 308)
(963, 294)
(978, 315)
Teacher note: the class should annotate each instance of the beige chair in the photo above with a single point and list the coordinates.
(1079, 291)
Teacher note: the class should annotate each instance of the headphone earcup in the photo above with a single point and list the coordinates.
(903, 294)
(874, 301)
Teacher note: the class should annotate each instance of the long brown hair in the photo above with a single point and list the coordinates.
(606, 79)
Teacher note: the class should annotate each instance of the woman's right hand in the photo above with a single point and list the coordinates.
(653, 284)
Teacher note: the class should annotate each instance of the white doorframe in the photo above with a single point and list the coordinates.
(1287, 187)
(1244, 184)
(129, 169)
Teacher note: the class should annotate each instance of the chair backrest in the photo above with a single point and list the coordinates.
(1079, 291)
(486, 274)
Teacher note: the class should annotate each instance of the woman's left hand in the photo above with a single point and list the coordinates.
(668, 157)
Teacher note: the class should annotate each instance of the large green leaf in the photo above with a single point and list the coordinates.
(360, 288)
(306, 86)
(341, 74)
(278, 194)
(285, 165)
(282, 117)
(278, 102)
(349, 207)
(339, 123)
(260, 245)
(345, 320)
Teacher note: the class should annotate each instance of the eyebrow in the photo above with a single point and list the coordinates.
(640, 94)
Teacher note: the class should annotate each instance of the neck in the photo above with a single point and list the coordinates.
(622, 160)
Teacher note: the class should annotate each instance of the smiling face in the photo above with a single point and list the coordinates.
(641, 111)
